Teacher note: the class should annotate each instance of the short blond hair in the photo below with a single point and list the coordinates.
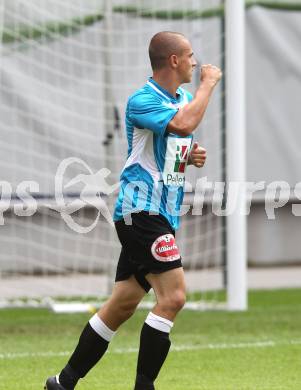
(162, 46)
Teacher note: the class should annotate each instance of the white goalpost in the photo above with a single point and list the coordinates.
(236, 152)
(66, 71)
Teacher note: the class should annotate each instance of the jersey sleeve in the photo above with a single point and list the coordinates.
(188, 95)
(148, 112)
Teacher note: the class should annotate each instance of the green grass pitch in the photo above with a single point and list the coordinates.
(259, 349)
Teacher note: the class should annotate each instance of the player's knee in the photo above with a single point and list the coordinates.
(127, 308)
(175, 302)
(178, 300)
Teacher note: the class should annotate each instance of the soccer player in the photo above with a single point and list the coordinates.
(160, 120)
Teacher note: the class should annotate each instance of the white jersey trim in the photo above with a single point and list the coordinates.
(143, 153)
(157, 90)
(170, 104)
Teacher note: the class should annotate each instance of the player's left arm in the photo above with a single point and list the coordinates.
(197, 156)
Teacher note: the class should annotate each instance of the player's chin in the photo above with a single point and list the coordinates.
(187, 79)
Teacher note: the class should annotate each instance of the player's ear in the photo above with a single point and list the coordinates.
(173, 60)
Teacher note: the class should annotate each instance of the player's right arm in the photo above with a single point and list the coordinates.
(189, 117)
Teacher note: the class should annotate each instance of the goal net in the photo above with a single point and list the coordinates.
(66, 71)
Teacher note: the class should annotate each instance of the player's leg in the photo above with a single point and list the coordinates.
(169, 288)
(151, 243)
(170, 292)
(97, 334)
(122, 304)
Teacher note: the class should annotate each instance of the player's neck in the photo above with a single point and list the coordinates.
(166, 82)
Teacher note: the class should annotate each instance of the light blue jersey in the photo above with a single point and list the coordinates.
(154, 173)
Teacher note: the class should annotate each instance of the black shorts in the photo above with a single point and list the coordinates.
(148, 246)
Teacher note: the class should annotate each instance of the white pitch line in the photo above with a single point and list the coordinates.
(32, 354)
(176, 348)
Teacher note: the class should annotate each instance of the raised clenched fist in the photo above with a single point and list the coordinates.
(210, 74)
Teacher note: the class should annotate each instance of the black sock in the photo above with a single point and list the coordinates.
(68, 378)
(154, 347)
(90, 348)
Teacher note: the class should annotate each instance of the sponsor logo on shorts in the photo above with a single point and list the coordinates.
(165, 248)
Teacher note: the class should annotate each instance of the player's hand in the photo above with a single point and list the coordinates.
(197, 155)
(210, 74)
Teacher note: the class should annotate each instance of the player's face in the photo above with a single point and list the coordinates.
(187, 63)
